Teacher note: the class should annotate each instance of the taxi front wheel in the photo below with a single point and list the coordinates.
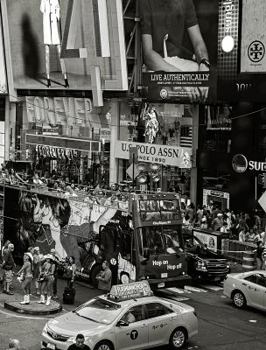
(104, 345)
(239, 299)
(178, 338)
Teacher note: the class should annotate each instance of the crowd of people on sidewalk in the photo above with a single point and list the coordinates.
(245, 227)
(38, 274)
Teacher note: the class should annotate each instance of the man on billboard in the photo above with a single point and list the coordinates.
(163, 26)
(51, 35)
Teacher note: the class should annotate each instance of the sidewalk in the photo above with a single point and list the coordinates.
(84, 292)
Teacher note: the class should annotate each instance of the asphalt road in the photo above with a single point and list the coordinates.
(221, 326)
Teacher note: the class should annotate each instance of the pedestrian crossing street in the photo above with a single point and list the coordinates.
(182, 294)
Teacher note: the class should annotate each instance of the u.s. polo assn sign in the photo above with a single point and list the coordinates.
(159, 154)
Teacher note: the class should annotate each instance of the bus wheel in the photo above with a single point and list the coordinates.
(124, 278)
(94, 272)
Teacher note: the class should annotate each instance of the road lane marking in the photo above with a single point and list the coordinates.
(176, 290)
(211, 287)
(195, 289)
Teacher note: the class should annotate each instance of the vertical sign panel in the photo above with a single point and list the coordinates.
(253, 42)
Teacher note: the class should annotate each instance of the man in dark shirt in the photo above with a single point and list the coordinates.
(8, 265)
(80, 339)
(161, 18)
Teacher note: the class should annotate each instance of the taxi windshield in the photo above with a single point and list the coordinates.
(99, 310)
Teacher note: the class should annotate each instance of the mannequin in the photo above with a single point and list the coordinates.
(52, 36)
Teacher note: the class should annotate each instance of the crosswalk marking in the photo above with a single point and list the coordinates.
(214, 288)
(176, 290)
(194, 289)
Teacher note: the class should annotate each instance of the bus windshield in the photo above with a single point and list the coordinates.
(154, 240)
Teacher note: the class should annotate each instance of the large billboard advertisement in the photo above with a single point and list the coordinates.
(179, 43)
(242, 67)
(75, 44)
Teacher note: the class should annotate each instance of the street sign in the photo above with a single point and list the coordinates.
(262, 201)
(132, 171)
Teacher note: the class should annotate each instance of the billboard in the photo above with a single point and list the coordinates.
(179, 42)
(241, 71)
(75, 44)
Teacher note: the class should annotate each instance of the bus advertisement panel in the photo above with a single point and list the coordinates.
(92, 229)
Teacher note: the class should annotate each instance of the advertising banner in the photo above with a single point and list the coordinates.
(179, 41)
(241, 68)
(70, 226)
(206, 238)
(67, 44)
(159, 154)
(253, 37)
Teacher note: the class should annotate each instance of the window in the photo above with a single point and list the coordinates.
(156, 240)
(157, 309)
(257, 279)
(135, 314)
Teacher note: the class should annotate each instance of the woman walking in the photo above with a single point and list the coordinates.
(47, 279)
(25, 275)
(36, 264)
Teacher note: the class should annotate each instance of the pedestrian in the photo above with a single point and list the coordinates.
(47, 279)
(80, 339)
(26, 278)
(36, 267)
(8, 266)
(217, 222)
(258, 254)
(56, 262)
(105, 277)
(70, 271)
(14, 344)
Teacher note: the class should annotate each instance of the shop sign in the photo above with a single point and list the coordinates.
(208, 239)
(159, 154)
(241, 164)
(59, 110)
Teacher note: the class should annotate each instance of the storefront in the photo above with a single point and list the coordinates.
(161, 135)
(65, 136)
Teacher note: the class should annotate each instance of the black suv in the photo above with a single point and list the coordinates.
(203, 263)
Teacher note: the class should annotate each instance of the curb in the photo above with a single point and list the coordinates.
(33, 308)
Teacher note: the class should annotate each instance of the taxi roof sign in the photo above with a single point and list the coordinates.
(121, 292)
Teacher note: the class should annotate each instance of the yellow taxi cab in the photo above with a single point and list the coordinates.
(247, 288)
(129, 317)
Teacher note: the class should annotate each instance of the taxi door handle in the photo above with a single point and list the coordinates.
(244, 284)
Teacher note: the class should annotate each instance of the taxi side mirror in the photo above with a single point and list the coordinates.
(122, 323)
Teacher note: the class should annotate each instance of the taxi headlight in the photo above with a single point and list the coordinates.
(45, 328)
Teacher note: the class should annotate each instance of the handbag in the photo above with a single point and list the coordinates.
(42, 278)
